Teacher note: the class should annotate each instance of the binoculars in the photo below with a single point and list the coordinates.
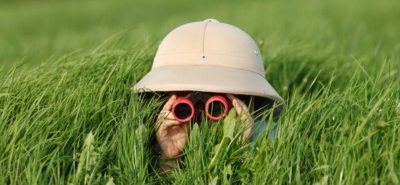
(215, 106)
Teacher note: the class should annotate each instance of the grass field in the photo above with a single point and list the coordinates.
(67, 115)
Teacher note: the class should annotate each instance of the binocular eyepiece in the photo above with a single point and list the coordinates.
(215, 107)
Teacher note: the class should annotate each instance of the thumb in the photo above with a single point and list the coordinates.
(169, 103)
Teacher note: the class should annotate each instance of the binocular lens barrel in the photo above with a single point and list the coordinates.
(183, 111)
(216, 108)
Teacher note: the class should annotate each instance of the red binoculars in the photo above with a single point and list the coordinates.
(215, 106)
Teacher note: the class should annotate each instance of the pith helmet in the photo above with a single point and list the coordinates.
(209, 56)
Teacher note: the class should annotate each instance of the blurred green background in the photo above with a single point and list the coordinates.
(33, 31)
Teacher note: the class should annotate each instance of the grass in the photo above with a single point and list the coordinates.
(67, 114)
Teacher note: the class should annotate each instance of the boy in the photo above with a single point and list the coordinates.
(206, 57)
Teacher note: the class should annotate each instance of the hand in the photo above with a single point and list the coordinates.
(171, 135)
(244, 115)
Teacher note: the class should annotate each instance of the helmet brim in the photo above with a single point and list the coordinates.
(218, 79)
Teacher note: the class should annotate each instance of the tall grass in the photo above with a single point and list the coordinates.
(71, 118)
(78, 122)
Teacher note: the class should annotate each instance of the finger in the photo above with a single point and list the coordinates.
(247, 128)
(233, 100)
(169, 103)
(245, 117)
(247, 134)
(186, 127)
(242, 106)
(234, 103)
(165, 115)
(168, 123)
(237, 103)
(170, 116)
(231, 97)
(163, 118)
(243, 112)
